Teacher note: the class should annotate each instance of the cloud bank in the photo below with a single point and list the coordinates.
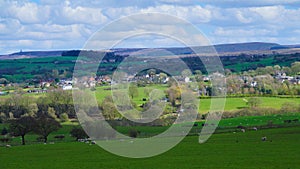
(55, 24)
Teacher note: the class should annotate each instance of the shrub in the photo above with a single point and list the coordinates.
(289, 107)
(254, 102)
(59, 137)
(64, 117)
(78, 133)
(2, 117)
(133, 133)
(4, 131)
(40, 139)
(5, 139)
(270, 123)
(228, 114)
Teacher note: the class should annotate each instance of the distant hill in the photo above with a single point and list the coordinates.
(39, 65)
(31, 54)
(259, 47)
(221, 48)
(227, 48)
(239, 47)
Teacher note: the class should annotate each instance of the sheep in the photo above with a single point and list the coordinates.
(254, 128)
(243, 130)
(264, 138)
(8, 146)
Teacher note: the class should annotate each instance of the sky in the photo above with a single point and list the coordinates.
(57, 24)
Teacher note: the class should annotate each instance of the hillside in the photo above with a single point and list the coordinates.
(221, 49)
(22, 66)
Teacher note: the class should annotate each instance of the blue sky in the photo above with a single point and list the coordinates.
(59, 24)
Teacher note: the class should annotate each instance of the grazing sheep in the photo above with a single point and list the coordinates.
(254, 128)
(243, 130)
(8, 146)
(93, 142)
(264, 138)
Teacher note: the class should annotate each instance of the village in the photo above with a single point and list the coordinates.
(151, 77)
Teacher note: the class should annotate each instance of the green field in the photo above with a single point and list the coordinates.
(225, 125)
(22, 69)
(242, 66)
(229, 150)
(204, 105)
(239, 103)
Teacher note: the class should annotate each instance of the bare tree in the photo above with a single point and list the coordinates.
(22, 126)
(45, 125)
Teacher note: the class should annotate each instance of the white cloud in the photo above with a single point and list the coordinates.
(9, 26)
(270, 13)
(248, 3)
(250, 32)
(27, 13)
(240, 16)
(78, 15)
(195, 14)
(70, 23)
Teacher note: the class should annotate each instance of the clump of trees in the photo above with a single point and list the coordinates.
(42, 117)
(57, 104)
(264, 81)
(42, 125)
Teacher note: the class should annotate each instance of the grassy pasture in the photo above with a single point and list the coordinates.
(227, 150)
(225, 125)
(239, 103)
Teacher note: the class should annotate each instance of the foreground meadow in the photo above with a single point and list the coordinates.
(227, 150)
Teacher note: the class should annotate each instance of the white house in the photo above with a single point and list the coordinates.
(67, 87)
